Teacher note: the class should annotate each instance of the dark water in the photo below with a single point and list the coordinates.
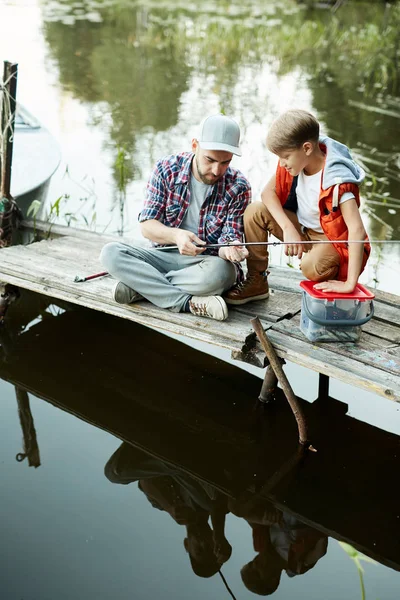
(107, 404)
(121, 84)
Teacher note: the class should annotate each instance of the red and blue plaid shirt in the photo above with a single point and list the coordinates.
(221, 216)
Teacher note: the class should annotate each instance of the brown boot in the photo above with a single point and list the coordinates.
(255, 287)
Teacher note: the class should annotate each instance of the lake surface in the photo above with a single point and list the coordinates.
(120, 84)
(95, 391)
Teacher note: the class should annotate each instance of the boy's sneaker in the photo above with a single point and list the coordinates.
(124, 294)
(213, 307)
(255, 287)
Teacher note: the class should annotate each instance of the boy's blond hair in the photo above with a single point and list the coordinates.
(291, 130)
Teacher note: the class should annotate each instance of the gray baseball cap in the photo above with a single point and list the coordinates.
(219, 132)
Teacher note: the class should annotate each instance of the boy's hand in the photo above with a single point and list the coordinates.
(235, 253)
(186, 240)
(341, 287)
(296, 248)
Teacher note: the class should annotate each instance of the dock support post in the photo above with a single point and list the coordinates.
(31, 448)
(10, 214)
(323, 386)
(276, 365)
(268, 389)
(7, 109)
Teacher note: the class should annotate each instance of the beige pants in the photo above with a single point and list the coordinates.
(319, 263)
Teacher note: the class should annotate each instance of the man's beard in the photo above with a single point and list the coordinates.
(204, 178)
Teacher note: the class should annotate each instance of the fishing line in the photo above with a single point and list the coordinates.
(226, 585)
(279, 243)
(231, 245)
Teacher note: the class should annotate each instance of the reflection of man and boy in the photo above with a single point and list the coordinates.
(281, 542)
(195, 199)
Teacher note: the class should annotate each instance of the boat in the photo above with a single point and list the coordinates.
(36, 156)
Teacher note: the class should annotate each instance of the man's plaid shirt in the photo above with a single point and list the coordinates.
(221, 216)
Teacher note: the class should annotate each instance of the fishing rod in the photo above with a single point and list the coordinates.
(279, 243)
(235, 245)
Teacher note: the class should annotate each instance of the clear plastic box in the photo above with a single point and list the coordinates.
(332, 317)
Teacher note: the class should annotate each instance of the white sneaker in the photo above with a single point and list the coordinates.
(123, 294)
(213, 307)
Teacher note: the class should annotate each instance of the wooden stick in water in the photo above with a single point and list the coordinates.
(279, 372)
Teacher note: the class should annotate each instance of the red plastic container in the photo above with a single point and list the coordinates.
(331, 317)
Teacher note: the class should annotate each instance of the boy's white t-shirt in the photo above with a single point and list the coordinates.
(307, 192)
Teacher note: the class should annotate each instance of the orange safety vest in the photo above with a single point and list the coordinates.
(331, 219)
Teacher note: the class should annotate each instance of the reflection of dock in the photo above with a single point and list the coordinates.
(197, 414)
(50, 266)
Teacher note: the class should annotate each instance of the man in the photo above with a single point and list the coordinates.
(188, 501)
(192, 199)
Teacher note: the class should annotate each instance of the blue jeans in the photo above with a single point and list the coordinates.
(165, 277)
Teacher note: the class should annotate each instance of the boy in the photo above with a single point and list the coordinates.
(313, 196)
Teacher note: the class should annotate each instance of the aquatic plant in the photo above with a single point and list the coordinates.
(121, 176)
(357, 557)
(33, 212)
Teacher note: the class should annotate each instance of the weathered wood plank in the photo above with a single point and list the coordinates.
(49, 267)
(384, 331)
(387, 306)
(25, 267)
(387, 313)
(279, 305)
(366, 350)
(385, 297)
(284, 279)
(322, 360)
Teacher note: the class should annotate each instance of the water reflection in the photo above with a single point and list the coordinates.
(202, 451)
(132, 70)
(191, 503)
(146, 68)
(282, 542)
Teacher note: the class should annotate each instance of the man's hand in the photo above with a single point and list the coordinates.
(186, 240)
(341, 287)
(296, 248)
(222, 549)
(235, 253)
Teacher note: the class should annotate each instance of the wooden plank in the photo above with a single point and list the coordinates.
(25, 267)
(49, 267)
(387, 313)
(366, 350)
(382, 330)
(284, 279)
(278, 306)
(385, 297)
(386, 305)
(321, 360)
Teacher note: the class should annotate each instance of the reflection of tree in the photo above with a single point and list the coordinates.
(133, 70)
(135, 65)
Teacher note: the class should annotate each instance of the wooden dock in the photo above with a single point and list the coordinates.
(49, 267)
